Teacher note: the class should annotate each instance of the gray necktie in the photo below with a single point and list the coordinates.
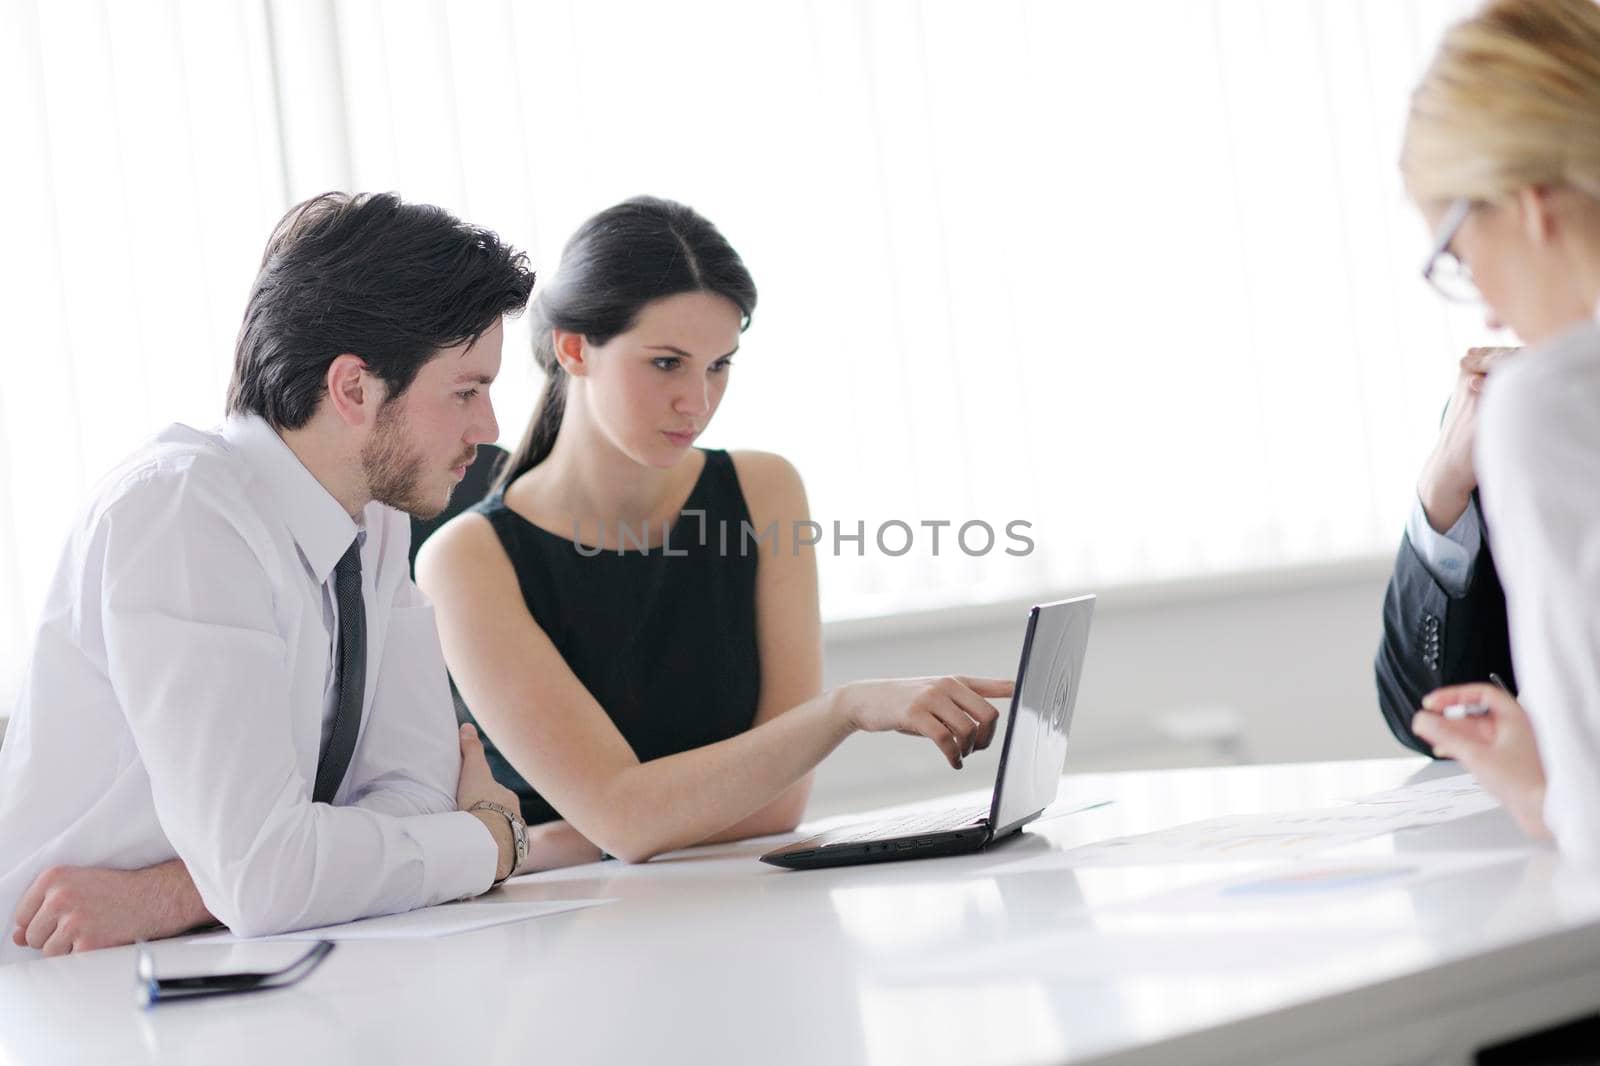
(350, 677)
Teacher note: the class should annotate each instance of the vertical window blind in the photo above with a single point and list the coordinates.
(1143, 278)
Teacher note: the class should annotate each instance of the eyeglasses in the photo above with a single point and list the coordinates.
(152, 989)
(1443, 269)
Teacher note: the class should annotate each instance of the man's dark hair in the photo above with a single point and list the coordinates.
(374, 276)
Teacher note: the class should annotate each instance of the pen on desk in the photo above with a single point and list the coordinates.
(1457, 711)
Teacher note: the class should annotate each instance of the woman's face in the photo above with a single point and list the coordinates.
(652, 390)
(1519, 265)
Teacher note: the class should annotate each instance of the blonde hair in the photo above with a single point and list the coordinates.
(1511, 99)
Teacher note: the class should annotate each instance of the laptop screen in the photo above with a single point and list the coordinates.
(1041, 713)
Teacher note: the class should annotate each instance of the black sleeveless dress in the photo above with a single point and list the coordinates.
(663, 638)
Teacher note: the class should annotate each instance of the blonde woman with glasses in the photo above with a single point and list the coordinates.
(1502, 155)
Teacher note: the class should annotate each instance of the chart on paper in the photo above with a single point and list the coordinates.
(1280, 835)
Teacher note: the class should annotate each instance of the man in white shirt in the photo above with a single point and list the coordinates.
(235, 704)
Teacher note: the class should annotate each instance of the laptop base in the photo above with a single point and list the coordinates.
(815, 854)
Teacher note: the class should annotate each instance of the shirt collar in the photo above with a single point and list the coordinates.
(317, 521)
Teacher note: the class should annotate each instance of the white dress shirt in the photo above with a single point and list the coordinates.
(1538, 460)
(176, 696)
(1447, 556)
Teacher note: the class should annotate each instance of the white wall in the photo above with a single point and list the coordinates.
(1287, 657)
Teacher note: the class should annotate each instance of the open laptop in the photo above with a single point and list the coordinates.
(1031, 760)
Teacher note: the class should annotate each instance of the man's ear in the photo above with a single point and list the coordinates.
(572, 351)
(353, 394)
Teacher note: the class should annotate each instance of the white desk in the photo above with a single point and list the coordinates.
(709, 956)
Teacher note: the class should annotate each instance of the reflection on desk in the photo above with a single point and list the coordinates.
(1412, 946)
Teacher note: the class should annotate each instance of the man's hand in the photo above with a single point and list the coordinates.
(1448, 479)
(477, 783)
(76, 908)
(1499, 748)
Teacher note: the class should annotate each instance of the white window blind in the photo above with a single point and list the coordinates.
(1143, 277)
(142, 172)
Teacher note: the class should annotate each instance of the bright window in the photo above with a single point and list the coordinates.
(1141, 276)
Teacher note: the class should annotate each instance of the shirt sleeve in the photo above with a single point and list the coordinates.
(193, 651)
(1447, 556)
(1538, 450)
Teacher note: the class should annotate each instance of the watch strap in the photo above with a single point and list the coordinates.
(519, 831)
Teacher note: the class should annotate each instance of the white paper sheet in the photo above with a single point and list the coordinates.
(1279, 835)
(1439, 799)
(443, 920)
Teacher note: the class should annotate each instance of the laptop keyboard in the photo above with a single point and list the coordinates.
(910, 826)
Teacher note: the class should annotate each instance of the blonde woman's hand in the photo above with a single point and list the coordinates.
(1498, 748)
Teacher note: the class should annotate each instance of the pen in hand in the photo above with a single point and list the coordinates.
(1458, 711)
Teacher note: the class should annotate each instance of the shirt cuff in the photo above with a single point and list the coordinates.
(1447, 556)
(460, 855)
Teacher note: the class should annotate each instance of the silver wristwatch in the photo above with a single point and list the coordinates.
(519, 830)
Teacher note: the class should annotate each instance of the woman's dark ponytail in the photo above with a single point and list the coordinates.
(540, 436)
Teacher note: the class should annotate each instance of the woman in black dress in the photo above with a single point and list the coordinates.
(633, 621)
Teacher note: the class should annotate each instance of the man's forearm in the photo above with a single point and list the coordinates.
(1442, 502)
(173, 903)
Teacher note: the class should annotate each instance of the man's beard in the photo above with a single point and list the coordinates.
(393, 470)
